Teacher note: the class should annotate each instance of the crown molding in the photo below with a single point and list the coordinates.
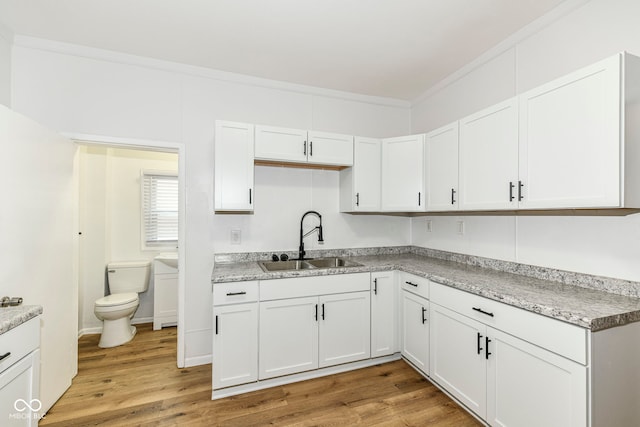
(510, 42)
(192, 70)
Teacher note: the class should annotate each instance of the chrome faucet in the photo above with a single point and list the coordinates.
(301, 251)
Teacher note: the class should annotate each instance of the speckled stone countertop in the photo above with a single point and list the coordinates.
(583, 306)
(10, 317)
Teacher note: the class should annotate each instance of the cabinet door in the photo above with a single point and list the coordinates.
(281, 144)
(415, 330)
(367, 174)
(233, 163)
(441, 168)
(330, 148)
(235, 345)
(344, 328)
(21, 381)
(288, 336)
(458, 358)
(488, 146)
(530, 386)
(570, 140)
(383, 313)
(403, 174)
(165, 300)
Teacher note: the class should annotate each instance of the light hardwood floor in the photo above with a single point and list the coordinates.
(139, 384)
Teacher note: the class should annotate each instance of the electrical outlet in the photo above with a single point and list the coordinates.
(460, 226)
(429, 226)
(236, 236)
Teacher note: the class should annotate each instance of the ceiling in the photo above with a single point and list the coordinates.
(388, 48)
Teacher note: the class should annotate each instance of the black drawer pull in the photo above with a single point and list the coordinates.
(424, 319)
(482, 311)
(520, 196)
(479, 341)
(453, 196)
(216, 325)
(511, 187)
(412, 284)
(322, 311)
(486, 345)
(375, 286)
(230, 294)
(4, 356)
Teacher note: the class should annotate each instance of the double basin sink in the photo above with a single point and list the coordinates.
(307, 264)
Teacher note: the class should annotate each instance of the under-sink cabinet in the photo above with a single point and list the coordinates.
(165, 295)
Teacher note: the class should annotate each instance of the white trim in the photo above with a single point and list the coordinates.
(303, 376)
(510, 42)
(197, 361)
(125, 58)
(180, 148)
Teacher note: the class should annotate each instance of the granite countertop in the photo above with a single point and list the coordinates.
(10, 317)
(581, 306)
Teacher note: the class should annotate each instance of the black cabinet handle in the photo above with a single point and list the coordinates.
(412, 284)
(520, 185)
(216, 325)
(323, 311)
(511, 187)
(419, 196)
(304, 148)
(316, 312)
(486, 349)
(357, 199)
(4, 356)
(311, 148)
(424, 319)
(230, 294)
(249, 196)
(453, 196)
(375, 286)
(482, 311)
(479, 341)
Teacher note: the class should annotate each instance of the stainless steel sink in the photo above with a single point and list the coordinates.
(333, 262)
(268, 266)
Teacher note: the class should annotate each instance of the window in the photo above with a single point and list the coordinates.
(159, 209)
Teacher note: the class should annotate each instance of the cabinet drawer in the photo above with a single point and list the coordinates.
(19, 342)
(314, 286)
(235, 292)
(562, 338)
(415, 284)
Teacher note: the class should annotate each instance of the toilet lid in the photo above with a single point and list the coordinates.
(117, 299)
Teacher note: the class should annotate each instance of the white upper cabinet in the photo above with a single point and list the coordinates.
(233, 162)
(403, 178)
(299, 146)
(441, 146)
(571, 139)
(489, 158)
(360, 185)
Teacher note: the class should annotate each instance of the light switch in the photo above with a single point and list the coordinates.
(236, 236)
(460, 225)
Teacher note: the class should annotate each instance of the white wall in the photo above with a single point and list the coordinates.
(110, 222)
(120, 96)
(608, 246)
(6, 41)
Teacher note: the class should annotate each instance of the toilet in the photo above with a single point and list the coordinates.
(126, 279)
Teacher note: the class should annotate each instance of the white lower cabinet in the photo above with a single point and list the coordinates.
(302, 334)
(288, 336)
(504, 380)
(384, 300)
(415, 330)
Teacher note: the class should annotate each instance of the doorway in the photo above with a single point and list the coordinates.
(109, 174)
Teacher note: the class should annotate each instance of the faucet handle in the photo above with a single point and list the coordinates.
(274, 257)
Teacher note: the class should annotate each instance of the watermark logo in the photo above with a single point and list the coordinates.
(27, 409)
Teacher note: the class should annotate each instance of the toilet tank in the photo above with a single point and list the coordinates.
(128, 276)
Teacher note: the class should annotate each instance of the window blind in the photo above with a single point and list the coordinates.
(160, 209)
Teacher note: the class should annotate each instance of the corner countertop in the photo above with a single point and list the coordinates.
(10, 317)
(581, 306)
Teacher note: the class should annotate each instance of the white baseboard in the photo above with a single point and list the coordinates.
(196, 361)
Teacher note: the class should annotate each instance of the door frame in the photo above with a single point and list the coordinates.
(178, 147)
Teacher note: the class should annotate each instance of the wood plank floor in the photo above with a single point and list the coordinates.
(139, 384)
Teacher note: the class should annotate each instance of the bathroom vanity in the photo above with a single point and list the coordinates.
(165, 295)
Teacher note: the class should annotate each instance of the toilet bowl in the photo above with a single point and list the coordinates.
(126, 280)
(116, 311)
